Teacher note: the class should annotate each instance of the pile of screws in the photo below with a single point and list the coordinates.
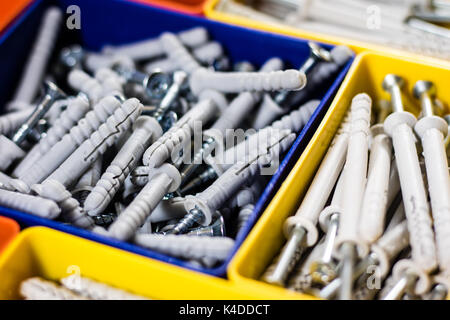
(411, 25)
(117, 153)
(384, 236)
(74, 287)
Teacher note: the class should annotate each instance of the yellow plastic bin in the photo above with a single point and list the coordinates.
(40, 251)
(366, 75)
(210, 10)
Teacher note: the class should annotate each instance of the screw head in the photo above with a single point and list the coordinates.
(157, 85)
(72, 56)
(392, 80)
(423, 86)
(53, 90)
(318, 52)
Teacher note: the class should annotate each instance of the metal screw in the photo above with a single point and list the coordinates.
(104, 219)
(439, 292)
(207, 147)
(317, 54)
(426, 92)
(401, 287)
(194, 216)
(52, 93)
(72, 57)
(204, 177)
(217, 229)
(179, 77)
(289, 256)
(393, 84)
(323, 271)
(155, 84)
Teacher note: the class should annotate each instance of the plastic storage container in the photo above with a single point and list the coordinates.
(366, 75)
(186, 6)
(211, 12)
(8, 230)
(99, 26)
(51, 254)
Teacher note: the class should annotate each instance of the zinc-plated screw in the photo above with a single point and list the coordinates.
(216, 229)
(406, 283)
(426, 92)
(205, 176)
(52, 93)
(322, 73)
(439, 292)
(12, 121)
(179, 77)
(393, 84)
(70, 141)
(104, 219)
(316, 55)
(323, 271)
(76, 109)
(72, 57)
(155, 84)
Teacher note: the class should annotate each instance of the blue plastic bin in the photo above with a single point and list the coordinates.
(118, 21)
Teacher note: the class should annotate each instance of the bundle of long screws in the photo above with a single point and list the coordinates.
(73, 287)
(121, 151)
(381, 197)
(414, 25)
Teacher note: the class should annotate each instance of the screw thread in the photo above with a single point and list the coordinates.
(12, 121)
(183, 226)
